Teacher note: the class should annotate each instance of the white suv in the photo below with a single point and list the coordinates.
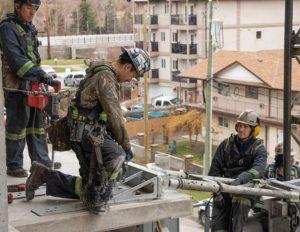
(73, 79)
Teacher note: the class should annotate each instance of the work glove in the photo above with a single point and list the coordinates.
(219, 201)
(129, 155)
(48, 80)
(236, 182)
(243, 178)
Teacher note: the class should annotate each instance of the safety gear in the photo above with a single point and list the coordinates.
(236, 182)
(36, 3)
(279, 148)
(19, 66)
(17, 172)
(36, 179)
(139, 58)
(249, 117)
(219, 200)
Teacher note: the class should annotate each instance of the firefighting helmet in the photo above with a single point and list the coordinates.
(249, 117)
(140, 59)
(279, 149)
(36, 3)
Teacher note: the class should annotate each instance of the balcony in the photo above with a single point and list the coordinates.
(153, 19)
(176, 20)
(154, 46)
(192, 19)
(138, 19)
(139, 44)
(154, 73)
(178, 48)
(193, 49)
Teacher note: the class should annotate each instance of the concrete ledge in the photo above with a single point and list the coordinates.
(171, 205)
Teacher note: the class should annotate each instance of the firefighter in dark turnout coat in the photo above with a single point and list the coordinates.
(243, 157)
(21, 68)
(95, 131)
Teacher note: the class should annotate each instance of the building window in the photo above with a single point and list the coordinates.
(175, 64)
(223, 122)
(167, 9)
(258, 34)
(251, 92)
(175, 37)
(163, 63)
(163, 36)
(223, 89)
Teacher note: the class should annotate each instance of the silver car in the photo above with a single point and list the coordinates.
(73, 79)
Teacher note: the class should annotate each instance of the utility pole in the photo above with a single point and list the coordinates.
(3, 180)
(287, 87)
(208, 97)
(48, 29)
(146, 77)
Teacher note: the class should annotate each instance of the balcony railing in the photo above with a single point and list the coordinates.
(179, 48)
(155, 73)
(154, 19)
(138, 19)
(154, 46)
(193, 49)
(178, 20)
(192, 19)
(139, 44)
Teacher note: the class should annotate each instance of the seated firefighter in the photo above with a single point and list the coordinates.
(95, 131)
(242, 157)
(276, 169)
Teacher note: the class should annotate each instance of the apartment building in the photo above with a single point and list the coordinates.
(177, 33)
(248, 80)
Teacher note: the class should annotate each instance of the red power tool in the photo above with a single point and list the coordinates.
(36, 98)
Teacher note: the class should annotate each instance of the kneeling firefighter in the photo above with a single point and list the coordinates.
(243, 157)
(95, 131)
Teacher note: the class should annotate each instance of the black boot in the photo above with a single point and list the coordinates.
(36, 179)
(17, 172)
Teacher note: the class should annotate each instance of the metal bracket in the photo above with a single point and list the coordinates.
(140, 184)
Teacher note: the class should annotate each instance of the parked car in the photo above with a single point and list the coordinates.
(49, 70)
(74, 78)
(165, 101)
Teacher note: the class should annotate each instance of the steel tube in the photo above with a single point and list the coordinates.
(240, 190)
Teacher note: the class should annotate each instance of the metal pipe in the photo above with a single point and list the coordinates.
(287, 86)
(240, 190)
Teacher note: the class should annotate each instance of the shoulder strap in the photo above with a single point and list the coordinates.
(256, 145)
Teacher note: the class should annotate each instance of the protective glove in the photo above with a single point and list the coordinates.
(219, 200)
(129, 155)
(236, 182)
(48, 80)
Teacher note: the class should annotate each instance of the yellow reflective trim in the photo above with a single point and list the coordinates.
(74, 110)
(78, 186)
(242, 201)
(103, 117)
(25, 68)
(14, 136)
(36, 131)
(254, 172)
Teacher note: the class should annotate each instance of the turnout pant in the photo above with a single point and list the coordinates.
(233, 216)
(67, 186)
(23, 123)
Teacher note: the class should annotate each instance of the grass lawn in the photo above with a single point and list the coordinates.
(196, 195)
(63, 62)
(59, 69)
(183, 148)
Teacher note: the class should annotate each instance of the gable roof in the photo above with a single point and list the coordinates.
(267, 65)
